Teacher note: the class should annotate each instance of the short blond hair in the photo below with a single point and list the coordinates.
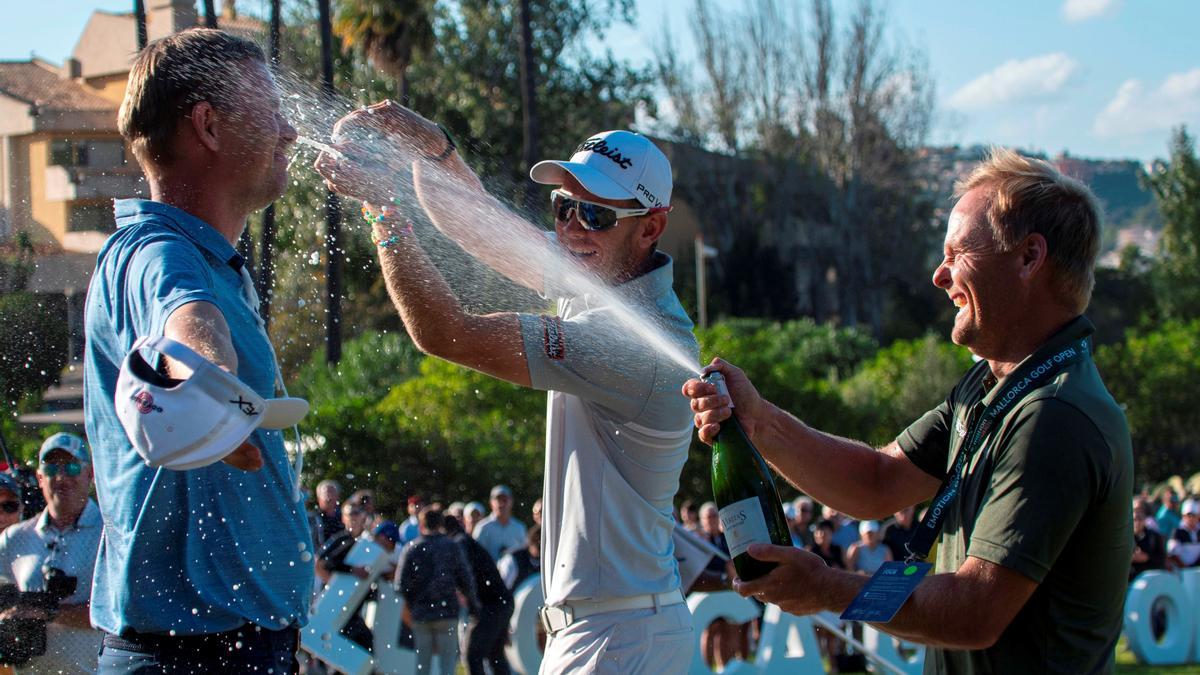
(1029, 196)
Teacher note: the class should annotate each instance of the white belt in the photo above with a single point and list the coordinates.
(558, 617)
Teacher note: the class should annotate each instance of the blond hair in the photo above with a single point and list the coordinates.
(1028, 196)
(171, 75)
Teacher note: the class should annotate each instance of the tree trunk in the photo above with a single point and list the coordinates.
(402, 87)
(210, 15)
(139, 15)
(266, 270)
(333, 213)
(529, 113)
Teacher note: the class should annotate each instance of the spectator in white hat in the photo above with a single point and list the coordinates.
(473, 513)
(1184, 547)
(869, 553)
(617, 435)
(55, 552)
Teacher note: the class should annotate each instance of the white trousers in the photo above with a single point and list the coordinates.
(632, 642)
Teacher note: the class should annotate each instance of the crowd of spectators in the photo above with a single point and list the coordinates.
(1166, 531)
(455, 566)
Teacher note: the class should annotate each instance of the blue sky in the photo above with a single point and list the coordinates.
(1099, 78)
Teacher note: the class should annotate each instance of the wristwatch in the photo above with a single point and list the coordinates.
(450, 146)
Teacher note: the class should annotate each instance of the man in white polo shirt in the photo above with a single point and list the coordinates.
(55, 552)
(617, 431)
(500, 532)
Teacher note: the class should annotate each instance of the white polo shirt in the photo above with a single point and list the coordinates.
(617, 435)
(24, 548)
(496, 537)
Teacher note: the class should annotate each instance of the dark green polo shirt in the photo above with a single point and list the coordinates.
(1048, 495)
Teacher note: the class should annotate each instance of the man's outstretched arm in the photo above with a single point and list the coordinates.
(387, 143)
(436, 321)
(848, 475)
(201, 326)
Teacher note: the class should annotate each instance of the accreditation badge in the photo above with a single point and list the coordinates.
(886, 592)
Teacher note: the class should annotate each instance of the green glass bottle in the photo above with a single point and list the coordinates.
(745, 495)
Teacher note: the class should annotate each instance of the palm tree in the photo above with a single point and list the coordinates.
(266, 270)
(389, 32)
(333, 211)
(529, 112)
(139, 17)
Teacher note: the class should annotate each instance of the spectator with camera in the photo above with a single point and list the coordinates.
(49, 559)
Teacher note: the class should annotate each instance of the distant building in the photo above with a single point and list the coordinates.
(62, 160)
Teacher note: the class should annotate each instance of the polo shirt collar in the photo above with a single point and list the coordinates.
(654, 283)
(89, 518)
(203, 235)
(1077, 329)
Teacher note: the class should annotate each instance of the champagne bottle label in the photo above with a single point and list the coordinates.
(744, 524)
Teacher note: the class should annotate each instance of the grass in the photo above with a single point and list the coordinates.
(1128, 665)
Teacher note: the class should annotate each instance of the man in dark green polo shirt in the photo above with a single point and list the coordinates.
(1027, 463)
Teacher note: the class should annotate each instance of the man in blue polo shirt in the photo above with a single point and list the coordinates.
(208, 569)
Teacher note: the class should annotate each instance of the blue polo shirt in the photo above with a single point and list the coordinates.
(185, 552)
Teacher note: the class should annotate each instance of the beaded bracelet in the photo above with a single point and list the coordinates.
(392, 239)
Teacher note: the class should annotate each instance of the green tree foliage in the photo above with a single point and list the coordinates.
(900, 383)
(797, 365)
(402, 423)
(467, 432)
(1153, 375)
(389, 32)
(33, 344)
(1176, 186)
(344, 397)
(469, 82)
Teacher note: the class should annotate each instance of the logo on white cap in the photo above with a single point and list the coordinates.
(185, 424)
(614, 165)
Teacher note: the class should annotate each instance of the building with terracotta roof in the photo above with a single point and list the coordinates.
(62, 160)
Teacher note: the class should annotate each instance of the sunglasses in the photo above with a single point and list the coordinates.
(10, 507)
(592, 216)
(68, 469)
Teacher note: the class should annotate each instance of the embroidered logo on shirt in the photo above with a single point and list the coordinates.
(552, 338)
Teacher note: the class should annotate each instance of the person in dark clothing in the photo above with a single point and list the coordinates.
(327, 518)
(897, 534)
(824, 547)
(1150, 550)
(433, 570)
(331, 557)
(521, 563)
(487, 630)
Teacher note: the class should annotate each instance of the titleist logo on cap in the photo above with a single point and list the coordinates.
(600, 147)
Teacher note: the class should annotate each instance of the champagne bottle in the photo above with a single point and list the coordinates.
(745, 495)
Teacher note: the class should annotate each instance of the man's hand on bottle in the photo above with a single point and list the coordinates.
(796, 583)
(712, 408)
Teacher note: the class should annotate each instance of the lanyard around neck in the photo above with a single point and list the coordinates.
(1017, 385)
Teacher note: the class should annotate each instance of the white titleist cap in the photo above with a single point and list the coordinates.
(185, 424)
(614, 165)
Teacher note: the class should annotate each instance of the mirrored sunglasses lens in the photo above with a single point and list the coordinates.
(597, 217)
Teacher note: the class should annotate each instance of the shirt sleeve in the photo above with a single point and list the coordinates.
(6, 558)
(165, 274)
(1049, 468)
(926, 442)
(508, 570)
(591, 356)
